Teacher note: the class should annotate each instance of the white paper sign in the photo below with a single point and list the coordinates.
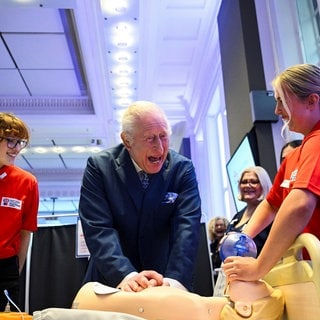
(81, 246)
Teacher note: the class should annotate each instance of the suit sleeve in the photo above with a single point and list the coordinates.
(98, 226)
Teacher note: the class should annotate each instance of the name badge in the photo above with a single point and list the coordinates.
(11, 203)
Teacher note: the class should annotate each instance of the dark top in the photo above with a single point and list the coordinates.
(259, 239)
(130, 229)
(215, 257)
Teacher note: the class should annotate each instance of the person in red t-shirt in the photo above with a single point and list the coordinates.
(19, 200)
(293, 201)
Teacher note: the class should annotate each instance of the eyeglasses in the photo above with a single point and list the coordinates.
(250, 181)
(13, 143)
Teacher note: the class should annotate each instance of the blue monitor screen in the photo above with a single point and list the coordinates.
(242, 158)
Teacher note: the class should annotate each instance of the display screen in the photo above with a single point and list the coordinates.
(242, 158)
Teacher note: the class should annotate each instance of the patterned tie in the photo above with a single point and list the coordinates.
(144, 179)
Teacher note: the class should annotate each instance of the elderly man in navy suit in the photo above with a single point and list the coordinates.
(141, 232)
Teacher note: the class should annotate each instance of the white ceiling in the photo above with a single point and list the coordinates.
(58, 72)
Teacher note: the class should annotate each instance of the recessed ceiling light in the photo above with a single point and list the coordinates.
(123, 81)
(124, 93)
(122, 41)
(122, 28)
(40, 150)
(124, 102)
(122, 56)
(95, 149)
(79, 149)
(58, 149)
(123, 70)
(114, 7)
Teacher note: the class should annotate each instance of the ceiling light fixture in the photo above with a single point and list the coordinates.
(79, 149)
(114, 7)
(122, 57)
(58, 150)
(123, 70)
(95, 149)
(40, 150)
(123, 81)
(123, 93)
(124, 102)
(122, 26)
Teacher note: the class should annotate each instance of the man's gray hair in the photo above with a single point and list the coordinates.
(136, 111)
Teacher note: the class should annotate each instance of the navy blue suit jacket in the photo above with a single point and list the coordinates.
(131, 229)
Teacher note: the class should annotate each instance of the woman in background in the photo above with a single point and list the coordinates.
(254, 184)
(216, 230)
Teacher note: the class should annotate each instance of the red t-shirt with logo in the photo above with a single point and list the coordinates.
(300, 170)
(19, 201)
